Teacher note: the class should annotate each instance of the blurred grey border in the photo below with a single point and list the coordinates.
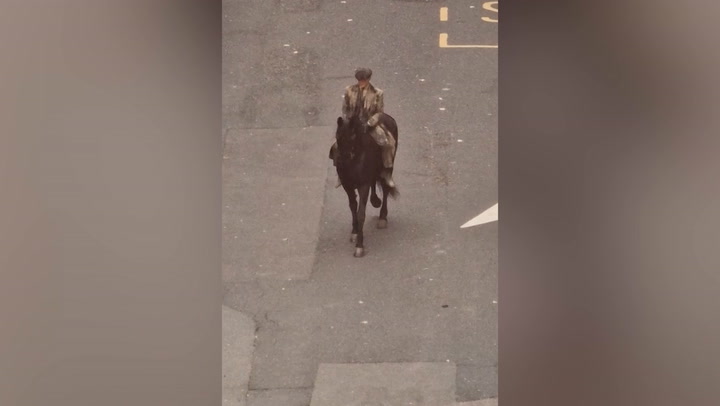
(111, 197)
(609, 238)
(110, 213)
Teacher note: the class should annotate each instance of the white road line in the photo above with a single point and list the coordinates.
(488, 216)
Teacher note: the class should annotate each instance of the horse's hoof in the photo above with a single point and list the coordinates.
(353, 237)
(382, 223)
(359, 253)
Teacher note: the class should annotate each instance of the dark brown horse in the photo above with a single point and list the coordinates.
(359, 166)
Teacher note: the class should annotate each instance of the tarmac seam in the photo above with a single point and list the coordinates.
(283, 388)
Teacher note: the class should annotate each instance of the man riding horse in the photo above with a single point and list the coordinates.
(365, 102)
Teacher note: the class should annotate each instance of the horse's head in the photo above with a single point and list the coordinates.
(347, 138)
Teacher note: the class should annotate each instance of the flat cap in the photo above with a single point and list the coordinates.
(363, 73)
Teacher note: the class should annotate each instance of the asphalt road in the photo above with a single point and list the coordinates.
(426, 289)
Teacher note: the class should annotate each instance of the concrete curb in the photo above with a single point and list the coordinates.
(238, 337)
(407, 383)
(483, 402)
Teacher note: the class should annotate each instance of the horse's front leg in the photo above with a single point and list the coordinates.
(352, 199)
(364, 191)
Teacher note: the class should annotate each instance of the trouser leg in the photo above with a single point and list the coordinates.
(387, 143)
(333, 153)
(388, 153)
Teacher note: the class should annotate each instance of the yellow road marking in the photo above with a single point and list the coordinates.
(444, 43)
(443, 13)
(489, 7)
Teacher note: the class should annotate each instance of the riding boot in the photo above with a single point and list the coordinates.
(334, 156)
(387, 176)
(333, 153)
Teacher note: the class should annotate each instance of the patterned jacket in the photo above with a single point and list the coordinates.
(372, 107)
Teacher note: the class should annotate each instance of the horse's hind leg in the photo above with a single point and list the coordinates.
(382, 221)
(352, 199)
(374, 199)
(364, 191)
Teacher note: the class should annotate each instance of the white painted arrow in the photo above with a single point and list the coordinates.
(488, 216)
